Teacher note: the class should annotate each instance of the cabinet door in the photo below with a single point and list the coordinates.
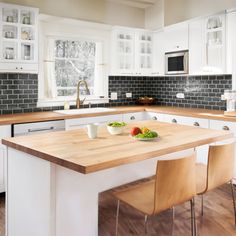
(176, 37)
(131, 117)
(19, 38)
(215, 43)
(123, 42)
(79, 123)
(197, 52)
(143, 52)
(159, 54)
(5, 132)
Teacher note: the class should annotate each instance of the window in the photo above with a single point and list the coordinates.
(74, 60)
(70, 60)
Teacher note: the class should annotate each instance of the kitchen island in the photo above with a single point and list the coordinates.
(54, 179)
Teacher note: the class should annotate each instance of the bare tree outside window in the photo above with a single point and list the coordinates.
(74, 61)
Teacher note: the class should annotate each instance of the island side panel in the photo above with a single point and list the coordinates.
(30, 195)
(77, 194)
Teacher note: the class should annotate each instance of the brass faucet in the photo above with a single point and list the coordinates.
(78, 101)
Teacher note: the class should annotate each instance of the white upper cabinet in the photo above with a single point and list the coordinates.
(144, 52)
(197, 52)
(123, 51)
(176, 37)
(159, 53)
(132, 51)
(18, 38)
(231, 46)
(215, 37)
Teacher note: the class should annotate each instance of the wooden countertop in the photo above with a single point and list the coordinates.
(48, 116)
(74, 150)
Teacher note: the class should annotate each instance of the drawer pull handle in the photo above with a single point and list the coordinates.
(225, 127)
(132, 118)
(174, 121)
(154, 118)
(38, 130)
(196, 124)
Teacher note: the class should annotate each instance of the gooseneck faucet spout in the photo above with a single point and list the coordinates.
(78, 101)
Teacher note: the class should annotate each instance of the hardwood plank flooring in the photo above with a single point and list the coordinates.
(218, 219)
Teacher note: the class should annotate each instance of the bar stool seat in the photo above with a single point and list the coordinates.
(140, 197)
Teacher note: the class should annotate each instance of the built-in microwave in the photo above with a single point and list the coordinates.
(176, 62)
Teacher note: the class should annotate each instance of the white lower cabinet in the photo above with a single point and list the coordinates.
(5, 132)
(224, 125)
(156, 116)
(79, 123)
(137, 116)
(202, 151)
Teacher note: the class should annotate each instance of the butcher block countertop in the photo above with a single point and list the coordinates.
(74, 150)
(49, 116)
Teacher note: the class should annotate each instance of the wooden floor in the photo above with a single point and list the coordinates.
(218, 217)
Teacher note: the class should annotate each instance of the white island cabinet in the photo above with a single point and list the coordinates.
(54, 179)
(5, 131)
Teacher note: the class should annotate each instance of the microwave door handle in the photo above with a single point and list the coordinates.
(185, 63)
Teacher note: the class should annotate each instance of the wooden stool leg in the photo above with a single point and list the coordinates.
(234, 204)
(117, 216)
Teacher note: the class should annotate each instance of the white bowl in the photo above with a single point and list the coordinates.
(115, 130)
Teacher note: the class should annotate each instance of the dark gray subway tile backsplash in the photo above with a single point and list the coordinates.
(200, 91)
(19, 92)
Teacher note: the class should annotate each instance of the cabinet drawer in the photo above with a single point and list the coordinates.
(174, 119)
(223, 125)
(81, 122)
(137, 116)
(156, 116)
(19, 67)
(197, 122)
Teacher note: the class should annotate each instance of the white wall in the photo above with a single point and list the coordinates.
(181, 10)
(154, 16)
(90, 10)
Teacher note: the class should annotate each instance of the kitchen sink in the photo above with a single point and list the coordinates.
(84, 111)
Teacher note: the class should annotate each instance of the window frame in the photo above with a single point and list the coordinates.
(102, 33)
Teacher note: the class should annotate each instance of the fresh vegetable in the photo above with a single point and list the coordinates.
(149, 134)
(135, 130)
(145, 130)
(117, 124)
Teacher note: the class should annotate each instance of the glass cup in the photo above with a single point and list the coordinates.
(92, 130)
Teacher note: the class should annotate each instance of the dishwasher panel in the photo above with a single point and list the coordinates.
(38, 127)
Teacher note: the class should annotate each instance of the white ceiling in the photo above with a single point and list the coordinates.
(135, 3)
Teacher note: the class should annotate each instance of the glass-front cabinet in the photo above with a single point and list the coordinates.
(215, 43)
(144, 51)
(132, 51)
(19, 38)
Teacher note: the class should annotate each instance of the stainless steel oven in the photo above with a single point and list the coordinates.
(177, 62)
